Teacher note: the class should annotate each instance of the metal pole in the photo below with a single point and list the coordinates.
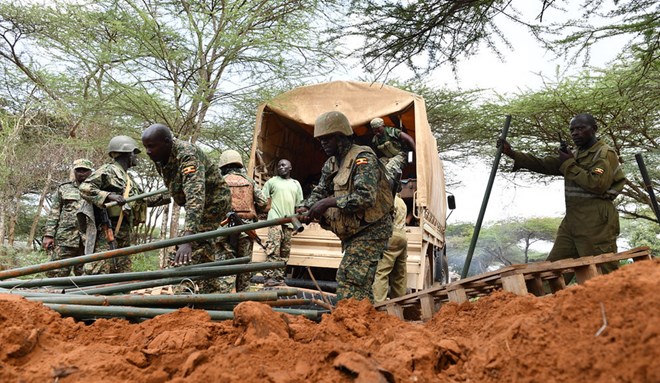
(484, 203)
(20, 271)
(84, 280)
(202, 273)
(648, 185)
(138, 197)
(161, 300)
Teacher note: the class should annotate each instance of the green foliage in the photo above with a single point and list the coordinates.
(12, 257)
(641, 233)
(443, 32)
(500, 244)
(145, 261)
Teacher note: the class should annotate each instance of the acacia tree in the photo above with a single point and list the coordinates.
(443, 32)
(109, 67)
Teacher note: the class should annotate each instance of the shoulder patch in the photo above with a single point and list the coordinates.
(598, 171)
(361, 161)
(189, 169)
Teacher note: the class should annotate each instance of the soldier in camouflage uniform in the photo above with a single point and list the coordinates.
(593, 178)
(354, 200)
(112, 183)
(247, 201)
(390, 145)
(62, 239)
(195, 183)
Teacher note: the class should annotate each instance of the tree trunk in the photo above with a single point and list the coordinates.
(3, 216)
(162, 254)
(37, 215)
(13, 217)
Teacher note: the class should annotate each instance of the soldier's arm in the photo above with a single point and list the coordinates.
(194, 187)
(546, 165)
(260, 201)
(54, 216)
(322, 190)
(597, 178)
(365, 184)
(406, 139)
(91, 188)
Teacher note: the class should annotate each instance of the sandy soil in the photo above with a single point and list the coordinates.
(500, 338)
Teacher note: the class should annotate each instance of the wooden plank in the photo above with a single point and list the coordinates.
(557, 283)
(535, 286)
(457, 295)
(427, 305)
(585, 273)
(395, 310)
(515, 283)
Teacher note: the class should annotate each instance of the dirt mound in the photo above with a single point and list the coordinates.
(498, 338)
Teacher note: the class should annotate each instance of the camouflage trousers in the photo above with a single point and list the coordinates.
(242, 248)
(64, 252)
(361, 253)
(204, 252)
(391, 271)
(394, 166)
(114, 265)
(278, 248)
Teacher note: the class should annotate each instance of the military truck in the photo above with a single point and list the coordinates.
(284, 129)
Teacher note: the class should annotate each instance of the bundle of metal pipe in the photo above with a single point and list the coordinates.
(17, 272)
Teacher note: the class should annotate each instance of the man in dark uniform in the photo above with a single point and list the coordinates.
(391, 145)
(354, 200)
(62, 239)
(194, 182)
(593, 178)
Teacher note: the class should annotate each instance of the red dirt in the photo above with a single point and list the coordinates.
(499, 338)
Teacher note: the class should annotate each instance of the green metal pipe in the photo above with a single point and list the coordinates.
(84, 280)
(20, 271)
(138, 197)
(193, 274)
(158, 300)
(484, 202)
(83, 311)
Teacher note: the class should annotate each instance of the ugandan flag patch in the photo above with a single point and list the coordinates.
(189, 169)
(598, 171)
(361, 161)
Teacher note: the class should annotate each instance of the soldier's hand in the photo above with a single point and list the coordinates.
(303, 216)
(114, 197)
(183, 255)
(47, 242)
(563, 156)
(319, 208)
(506, 147)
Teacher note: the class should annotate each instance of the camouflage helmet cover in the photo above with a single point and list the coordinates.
(377, 123)
(83, 163)
(122, 144)
(332, 122)
(230, 157)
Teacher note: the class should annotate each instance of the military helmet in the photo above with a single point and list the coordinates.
(332, 122)
(377, 123)
(122, 144)
(230, 157)
(83, 163)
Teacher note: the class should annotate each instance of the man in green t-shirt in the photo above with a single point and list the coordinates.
(391, 146)
(283, 193)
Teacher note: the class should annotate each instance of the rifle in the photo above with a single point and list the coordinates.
(563, 146)
(138, 197)
(234, 220)
(103, 222)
